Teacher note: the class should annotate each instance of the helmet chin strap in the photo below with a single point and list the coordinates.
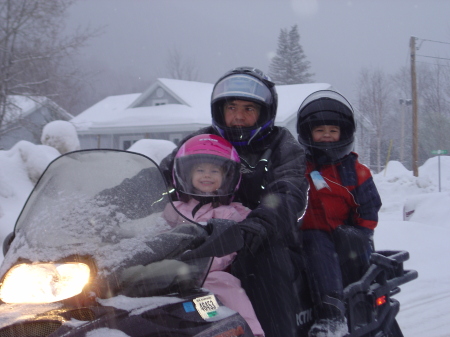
(320, 158)
(243, 142)
(318, 161)
(218, 130)
(254, 135)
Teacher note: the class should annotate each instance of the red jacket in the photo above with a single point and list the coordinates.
(351, 197)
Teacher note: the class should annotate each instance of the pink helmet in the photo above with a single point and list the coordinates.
(212, 149)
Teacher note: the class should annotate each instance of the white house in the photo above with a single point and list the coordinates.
(170, 109)
(25, 118)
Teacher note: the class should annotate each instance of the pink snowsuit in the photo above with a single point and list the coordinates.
(224, 285)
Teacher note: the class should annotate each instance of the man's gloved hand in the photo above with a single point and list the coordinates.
(254, 235)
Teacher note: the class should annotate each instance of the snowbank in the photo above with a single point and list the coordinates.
(22, 166)
(20, 169)
(155, 149)
(396, 184)
(61, 135)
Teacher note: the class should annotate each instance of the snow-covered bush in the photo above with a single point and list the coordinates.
(20, 169)
(155, 149)
(61, 135)
(35, 158)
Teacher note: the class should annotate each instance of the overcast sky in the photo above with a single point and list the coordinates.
(339, 37)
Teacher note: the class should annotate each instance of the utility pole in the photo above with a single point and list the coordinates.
(415, 147)
(403, 102)
(402, 136)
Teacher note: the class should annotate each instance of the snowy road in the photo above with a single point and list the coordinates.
(424, 308)
(424, 302)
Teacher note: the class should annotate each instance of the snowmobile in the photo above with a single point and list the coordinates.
(92, 253)
(91, 250)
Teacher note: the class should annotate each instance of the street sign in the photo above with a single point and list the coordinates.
(439, 152)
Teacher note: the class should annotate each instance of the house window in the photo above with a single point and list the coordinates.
(126, 144)
(160, 92)
(157, 102)
(175, 138)
(126, 141)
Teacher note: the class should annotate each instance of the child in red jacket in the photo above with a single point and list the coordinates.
(343, 205)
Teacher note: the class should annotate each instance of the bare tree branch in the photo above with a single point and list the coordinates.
(374, 98)
(179, 67)
(35, 57)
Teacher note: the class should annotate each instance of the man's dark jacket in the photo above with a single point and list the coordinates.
(274, 187)
(273, 182)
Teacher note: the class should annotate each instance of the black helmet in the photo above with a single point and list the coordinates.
(248, 84)
(326, 107)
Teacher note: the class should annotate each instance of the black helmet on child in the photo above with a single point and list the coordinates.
(248, 84)
(326, 107)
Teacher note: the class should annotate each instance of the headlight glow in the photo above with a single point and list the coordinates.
(43, 282)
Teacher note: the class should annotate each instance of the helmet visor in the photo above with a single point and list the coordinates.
(242, 86)
(328, 95)
(206, 175)
(307, 126)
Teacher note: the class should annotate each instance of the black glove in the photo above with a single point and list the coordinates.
(254, 235)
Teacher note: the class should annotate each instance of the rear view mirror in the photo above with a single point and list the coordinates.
(7, 242)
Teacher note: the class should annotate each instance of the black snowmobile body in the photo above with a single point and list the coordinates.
(102, 208)
(100, 212)
(370, 307)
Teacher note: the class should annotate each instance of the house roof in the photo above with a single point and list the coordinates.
(193, 94)
(22, 106)
(291, 96)
(125, 111)
(108, 109)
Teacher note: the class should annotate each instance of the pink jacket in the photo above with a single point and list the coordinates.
(224, 285)
(234, 211)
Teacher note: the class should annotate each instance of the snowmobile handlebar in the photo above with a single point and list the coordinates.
(387, 270)
(224, 238)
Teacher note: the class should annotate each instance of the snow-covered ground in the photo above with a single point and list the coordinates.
(424, 309)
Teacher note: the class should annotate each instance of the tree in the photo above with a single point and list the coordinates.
(289, 65)
(35, 58)
(434, 108)
(374, 100)
(180, 68)
(400, 128)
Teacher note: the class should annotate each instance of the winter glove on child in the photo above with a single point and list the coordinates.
(254, 235)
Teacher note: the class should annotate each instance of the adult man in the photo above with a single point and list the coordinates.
(273, 186)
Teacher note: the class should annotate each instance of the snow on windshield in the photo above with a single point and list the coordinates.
(111, 240)
(86, 207)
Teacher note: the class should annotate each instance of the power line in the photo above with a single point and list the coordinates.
(434, 41)
(432, 64)
(433, 57)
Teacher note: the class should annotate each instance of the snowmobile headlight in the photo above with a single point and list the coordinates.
(43, 282)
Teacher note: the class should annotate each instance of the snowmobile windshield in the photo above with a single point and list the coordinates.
(108, 207)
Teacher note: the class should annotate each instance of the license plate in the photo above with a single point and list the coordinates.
(206, 306)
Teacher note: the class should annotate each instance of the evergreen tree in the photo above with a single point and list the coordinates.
(290, 66)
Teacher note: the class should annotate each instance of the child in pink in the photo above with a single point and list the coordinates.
(206, 174)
